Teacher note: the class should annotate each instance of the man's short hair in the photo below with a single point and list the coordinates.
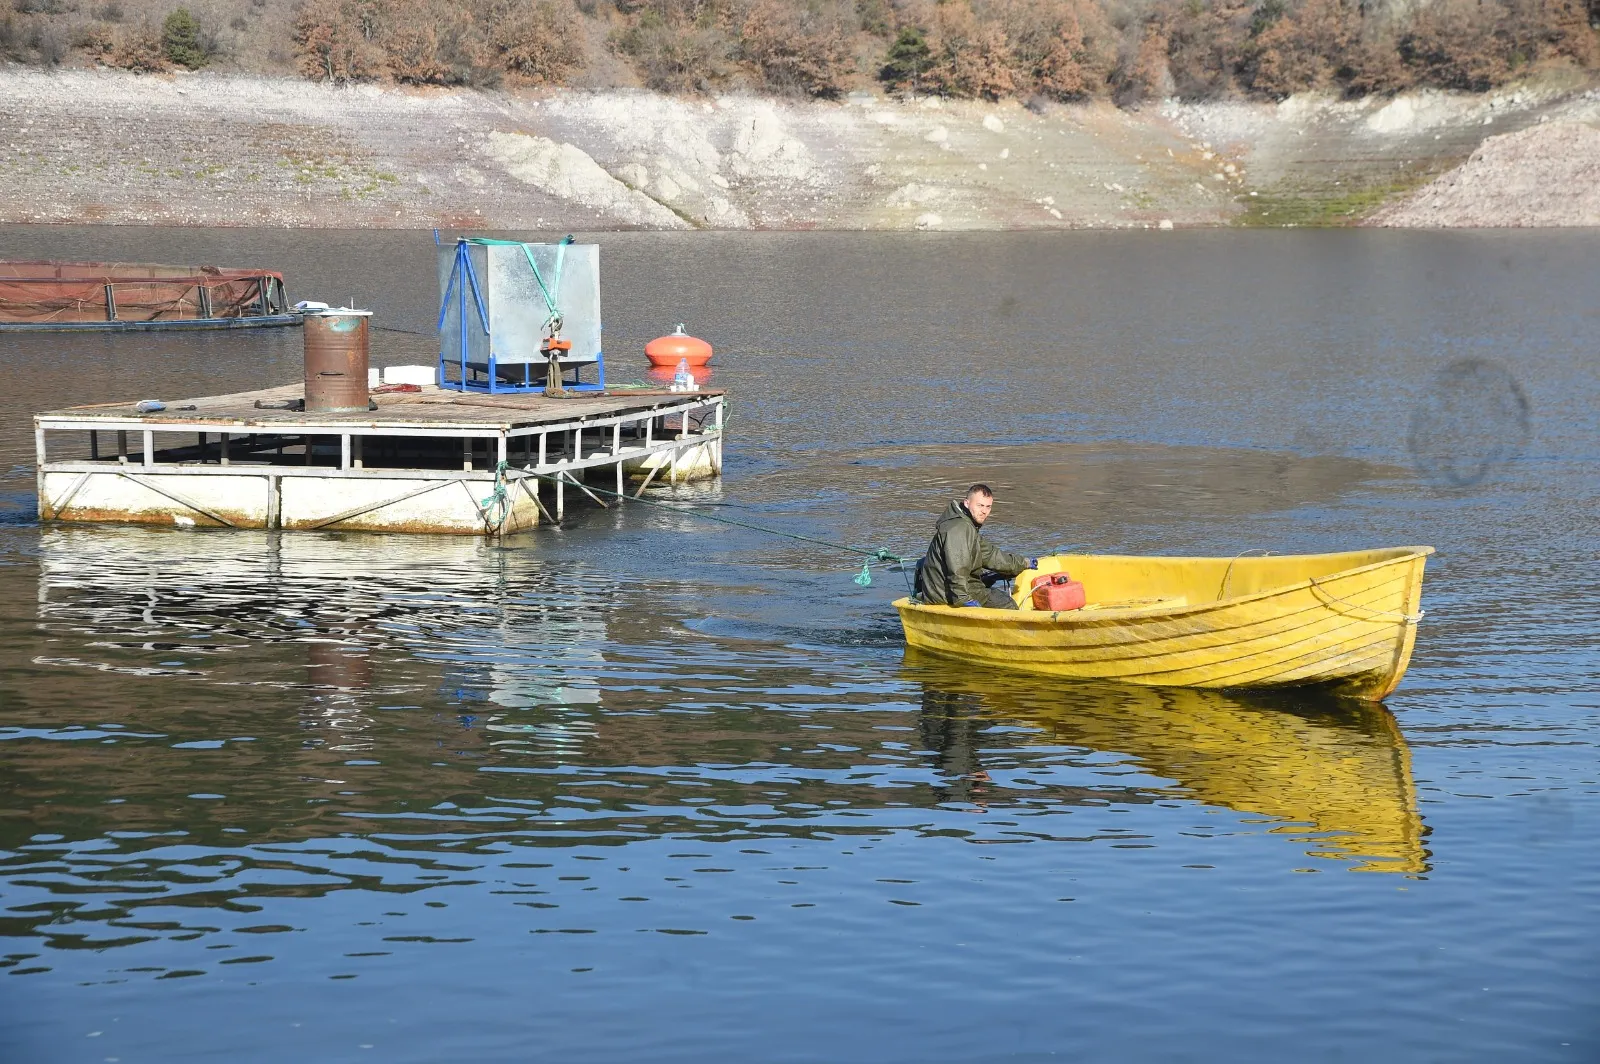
(980, 489)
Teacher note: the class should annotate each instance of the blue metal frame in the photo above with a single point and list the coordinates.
(474, 377)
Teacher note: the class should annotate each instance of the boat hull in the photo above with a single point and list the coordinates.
(1342, 621)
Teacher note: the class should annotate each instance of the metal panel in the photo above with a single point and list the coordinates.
(517, 307)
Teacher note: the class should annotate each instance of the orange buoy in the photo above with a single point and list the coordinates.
(677, 346)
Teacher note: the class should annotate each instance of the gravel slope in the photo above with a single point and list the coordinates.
(1548, 175)
(220, 150)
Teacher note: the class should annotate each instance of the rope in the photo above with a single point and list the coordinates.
(498, 500)
(1227, 573)
(863, 578)
(1408, 618)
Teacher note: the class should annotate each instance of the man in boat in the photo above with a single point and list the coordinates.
(952, 573)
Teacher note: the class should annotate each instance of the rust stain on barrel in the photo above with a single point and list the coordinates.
(337, 357)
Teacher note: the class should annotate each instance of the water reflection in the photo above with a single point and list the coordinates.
(315, 648)
(667, 375)
(1334, 774)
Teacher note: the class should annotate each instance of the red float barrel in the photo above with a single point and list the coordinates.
(677, 346)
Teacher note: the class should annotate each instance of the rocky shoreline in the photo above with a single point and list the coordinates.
(227, 150)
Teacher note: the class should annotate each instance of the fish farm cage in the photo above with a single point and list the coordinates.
(43, 295)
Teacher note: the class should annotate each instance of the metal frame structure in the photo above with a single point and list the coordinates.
(282, 488)
(460, 371)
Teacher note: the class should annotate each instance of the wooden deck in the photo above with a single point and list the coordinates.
(431, 407)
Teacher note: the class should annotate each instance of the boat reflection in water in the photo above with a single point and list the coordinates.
(1335, 773)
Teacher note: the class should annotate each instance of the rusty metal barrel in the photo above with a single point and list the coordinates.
(337, 356)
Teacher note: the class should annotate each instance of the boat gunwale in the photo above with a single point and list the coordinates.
(1084, 619)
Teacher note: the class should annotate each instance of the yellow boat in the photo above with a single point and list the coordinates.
(1345, 621)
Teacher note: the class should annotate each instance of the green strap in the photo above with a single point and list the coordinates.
(549, 291)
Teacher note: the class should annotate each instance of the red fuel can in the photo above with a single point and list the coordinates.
(1057, 592)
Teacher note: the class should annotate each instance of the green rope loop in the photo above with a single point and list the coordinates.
(499, 500)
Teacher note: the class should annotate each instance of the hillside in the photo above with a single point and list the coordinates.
(211, 149)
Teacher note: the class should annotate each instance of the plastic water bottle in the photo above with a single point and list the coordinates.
(683, 380)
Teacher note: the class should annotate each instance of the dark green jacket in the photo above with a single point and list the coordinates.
(958, 555)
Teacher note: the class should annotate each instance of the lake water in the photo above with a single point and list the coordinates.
(647, 788)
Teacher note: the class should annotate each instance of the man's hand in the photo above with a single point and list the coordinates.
(970, 602)
(1033, 563)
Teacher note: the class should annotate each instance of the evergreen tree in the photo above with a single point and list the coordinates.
(180, 40)
(907, 60)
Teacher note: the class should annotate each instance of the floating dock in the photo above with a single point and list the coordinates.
(428, 460)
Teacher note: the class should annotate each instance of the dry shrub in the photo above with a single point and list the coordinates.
(433, 42)
(970, 57)
(1280, 47)
(877, 17)
(677, 45)
(51, 44)
(1463, 44)
(94, 39)
(534, 41)
(1374, 66)
(1537, 29)
(1079, 54)
(1456, 44)
(1305, 49)
(1142, 71)
(1205, 45)
(437, 42)
(806, 50)
(138, 49)
(334, 40)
